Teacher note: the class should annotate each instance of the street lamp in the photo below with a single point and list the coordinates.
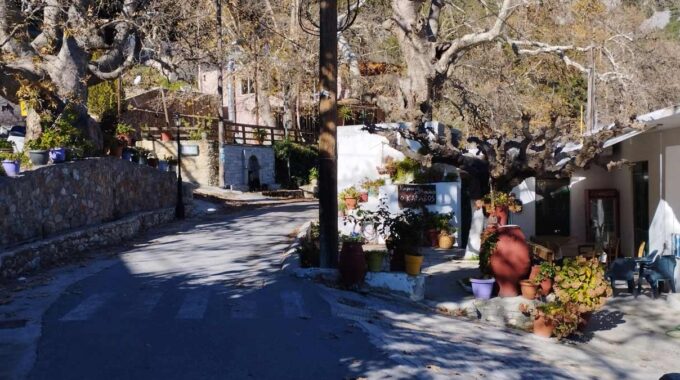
(179, 207)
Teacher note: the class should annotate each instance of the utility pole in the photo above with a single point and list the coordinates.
(220, 94)
(328, 112)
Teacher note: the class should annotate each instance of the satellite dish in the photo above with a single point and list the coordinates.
(137, 80)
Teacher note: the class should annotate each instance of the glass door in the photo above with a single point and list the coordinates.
(602, 214)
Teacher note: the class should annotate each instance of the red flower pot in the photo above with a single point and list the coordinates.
(510, 261)
(352, 264)
(433, 237)
(351, 203)
(529, 289)
(165, 136)
(363, 197)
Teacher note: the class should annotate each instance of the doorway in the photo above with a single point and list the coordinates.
(640, 203)
(253, 173)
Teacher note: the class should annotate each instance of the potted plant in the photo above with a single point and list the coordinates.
(38, 151)
(529, 289)
(431, 231)
(372, 186)
(351, 196)
(11, 163)
(352, 261)
(313, 176)
(544, 277)
(553, 318)
(125, 132)
(166, 136)
(497, 204)
(444, 230)
(260, 135)
(482, 287)
(582, 281)
(164, 164)
(6, 147)
(152, 160)
(142, 155)
(374, 260)
(172, 163)
(342, 208)
(406, 235)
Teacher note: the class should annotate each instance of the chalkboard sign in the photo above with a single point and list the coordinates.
(416, 195)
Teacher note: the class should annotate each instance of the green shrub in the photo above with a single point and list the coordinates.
(302, 159)
(582, 281)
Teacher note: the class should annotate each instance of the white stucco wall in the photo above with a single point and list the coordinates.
(360, 154)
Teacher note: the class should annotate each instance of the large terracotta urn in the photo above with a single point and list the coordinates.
(352, 264)
(510, 261)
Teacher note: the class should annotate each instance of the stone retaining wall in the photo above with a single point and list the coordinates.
(66, 247)
(51, 200)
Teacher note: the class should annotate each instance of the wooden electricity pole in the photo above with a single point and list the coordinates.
(220, 94)
(328, 192)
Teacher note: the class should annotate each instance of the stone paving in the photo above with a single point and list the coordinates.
(630, 338)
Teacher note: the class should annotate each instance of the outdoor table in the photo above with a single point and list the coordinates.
(642, 263)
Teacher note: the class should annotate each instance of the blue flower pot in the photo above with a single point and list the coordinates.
(163, 166)
(58, 155)
(12, 168)
(128, 154)
(482, 288)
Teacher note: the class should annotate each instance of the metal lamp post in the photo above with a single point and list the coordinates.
(179, 207)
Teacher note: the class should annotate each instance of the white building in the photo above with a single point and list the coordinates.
(637, 202)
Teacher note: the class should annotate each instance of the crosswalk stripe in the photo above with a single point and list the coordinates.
(194, 305)
(87, 308)
(293, 305)
(243, 309)
(147, 302)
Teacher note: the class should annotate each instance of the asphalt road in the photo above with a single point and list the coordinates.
(203, 300)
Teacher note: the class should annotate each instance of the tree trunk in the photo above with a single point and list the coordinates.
(289, 101)
(67, 71)
(475, 236)
(266, 117)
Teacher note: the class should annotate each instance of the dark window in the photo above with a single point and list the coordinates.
(247, 86)
(552, 207)
(640, 202)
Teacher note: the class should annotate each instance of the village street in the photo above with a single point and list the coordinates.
(198, 300)
(205, 298)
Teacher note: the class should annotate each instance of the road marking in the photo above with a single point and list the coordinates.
(293, 305)
(87, 308)
(194, 305)
(243, 309)
(145, 304)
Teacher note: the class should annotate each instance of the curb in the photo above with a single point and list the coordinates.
(290, 262)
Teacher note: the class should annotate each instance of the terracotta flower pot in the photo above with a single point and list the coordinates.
(432, 237)
(352, 264)
(501, 214)
(165, 137)
(546, 286)
(116, 151)
(510, 261)
(535, 270)
(351, 203)
(446, 241)
(363, 197)
(413, 264)
(543, 328)
(529, 289)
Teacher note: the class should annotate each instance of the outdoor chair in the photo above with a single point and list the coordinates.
(622, 269)
(660, 270)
